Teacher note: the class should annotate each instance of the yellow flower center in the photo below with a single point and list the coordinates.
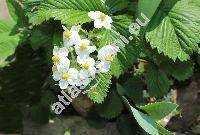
(102, 17)
(54, 69)
(83, 46)
(108, 58)
(65, 76)
(93, 90)
(67, 34)
(85, 65)
(56, 58)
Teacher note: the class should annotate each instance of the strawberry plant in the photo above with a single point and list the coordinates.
(122, 55)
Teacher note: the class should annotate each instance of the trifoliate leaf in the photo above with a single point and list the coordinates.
(175, 29)
(159, 110)
(112, 106)
(100, 93)
(157, 82)
(69, 12)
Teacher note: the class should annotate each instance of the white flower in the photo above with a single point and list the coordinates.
(100, 19)
(71, 37)
(56, 73)
(83, 48)
(106, 55)
(84, 78)
(103, 67)
(68, 78)
(87, 65)
(60, 57)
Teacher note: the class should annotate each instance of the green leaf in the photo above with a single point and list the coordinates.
(67, 11)
(42, 36)
(120, 89)
(104, 80)
(67, 132)
(159, 110)
(143, 120)
(116, 5)
(21, 81)
(179, 70)
(112, 107)
(148, 8)
(157, 82)
(164, 131)
(30, 6)
(127, 126)
(8, 42)
(134, 87)
(17, 13)
(175, 30)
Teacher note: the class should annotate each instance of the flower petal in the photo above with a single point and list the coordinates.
(63, 84)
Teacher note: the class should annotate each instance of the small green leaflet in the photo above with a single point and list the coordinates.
(159, 110)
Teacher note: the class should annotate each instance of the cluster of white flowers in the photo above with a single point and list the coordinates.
(86, 67)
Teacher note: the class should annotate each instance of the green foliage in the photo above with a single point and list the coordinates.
(8, 42)
(128, 52)
(175, 29)
(17, 13)
(104, 80)
(164, 48)
(159, 110)
(127, 126)
(148, 8)
(116, 5)
(68, 12)
(132, 88)
(145, 121)
(164, 131)
(41, 36)
(157, 82)
(112, 101)
(179, 70)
